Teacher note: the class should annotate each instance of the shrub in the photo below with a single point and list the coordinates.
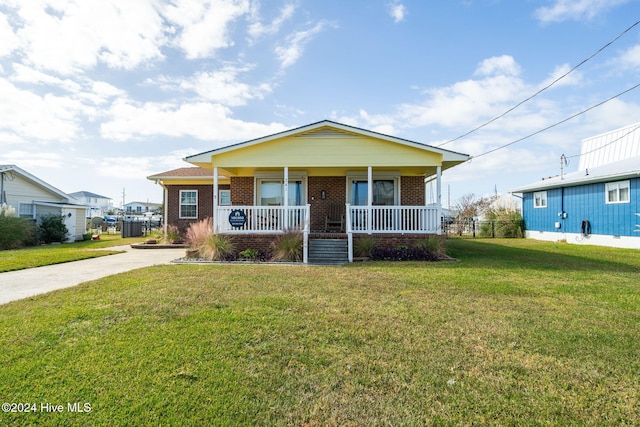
(363, 246)
(434, 244)
(504, 222)
(287, 247)
(250, 254)
(53, 228)
(17, 232)
(217, 247)
(402, 254)
(198, 232)
(172, 235)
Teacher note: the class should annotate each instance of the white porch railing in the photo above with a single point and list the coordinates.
(393, 219)
(263, 219)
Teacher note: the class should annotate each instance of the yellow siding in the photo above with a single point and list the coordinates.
(316, 152)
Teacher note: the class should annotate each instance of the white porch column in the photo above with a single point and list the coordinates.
(369, 196)
(285, 202)
(215, 199)
(439, 199)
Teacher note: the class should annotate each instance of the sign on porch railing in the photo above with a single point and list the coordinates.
(237, 218)
(261, 219)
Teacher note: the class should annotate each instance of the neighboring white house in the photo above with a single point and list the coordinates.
(139, 208)
(32, 198)
(98, 205)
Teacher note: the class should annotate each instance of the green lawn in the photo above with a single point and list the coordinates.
(517, 332)
(38, 256)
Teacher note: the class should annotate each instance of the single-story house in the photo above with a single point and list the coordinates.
(326, 179)
(138, 208)
(32, 198)
(599, 204)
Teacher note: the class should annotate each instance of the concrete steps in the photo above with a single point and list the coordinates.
(328, 251)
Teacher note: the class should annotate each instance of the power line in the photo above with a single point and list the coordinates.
(544, 88)
(560, 122)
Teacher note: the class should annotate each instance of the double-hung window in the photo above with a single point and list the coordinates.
(617, 192)
(540, 199)
(26, 210)
(188, 204)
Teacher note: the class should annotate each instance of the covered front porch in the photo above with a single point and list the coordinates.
(298, 180)
(372, 217)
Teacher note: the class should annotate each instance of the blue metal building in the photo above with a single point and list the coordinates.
(599, 204)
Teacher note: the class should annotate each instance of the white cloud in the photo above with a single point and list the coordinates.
(9, 40)
(397, 10)
(118, 34)
(222, 86)
(464, 104)
(33, 160)
(31, 116)
(203, 26)
(295, 44)
(24, 74)
(576, 10)
(257, 29)
(573, 79)
(629, 59)
(205, 121)
(498, 65)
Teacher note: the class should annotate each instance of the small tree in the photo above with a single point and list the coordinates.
(53, 228)
(470, 206)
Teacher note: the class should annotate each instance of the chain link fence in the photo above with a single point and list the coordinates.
(473, 229)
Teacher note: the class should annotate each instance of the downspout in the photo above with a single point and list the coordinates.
(3, 199)
(369, 197)
(215, 200)
(439, 199)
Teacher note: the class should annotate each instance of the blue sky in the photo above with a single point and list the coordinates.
(96, 95)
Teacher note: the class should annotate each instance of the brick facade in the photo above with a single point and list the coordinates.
(243, 188)
(412, 191)
(335, 188)
(205, 204)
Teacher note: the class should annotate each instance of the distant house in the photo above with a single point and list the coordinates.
(329, 180)
(139, 208)
(98, 205)
(598, 204)
(32, 198)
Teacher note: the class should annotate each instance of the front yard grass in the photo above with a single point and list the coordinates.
(517, 332)
(38, 256)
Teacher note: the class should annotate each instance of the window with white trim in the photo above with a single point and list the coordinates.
(188, 204)
(26, 210)
(617, 192)
(270, 189)
(386, 189)
(540, 199)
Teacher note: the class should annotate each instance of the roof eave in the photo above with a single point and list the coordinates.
(204, 159)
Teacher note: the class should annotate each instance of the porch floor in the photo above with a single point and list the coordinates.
(326, 235)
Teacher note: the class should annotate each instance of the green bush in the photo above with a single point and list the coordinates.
(503, 223)
(433, 244)
(363, 246)
(250, 254)
(53, 228)
(17, 232)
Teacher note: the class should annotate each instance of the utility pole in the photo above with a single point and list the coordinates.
(123, 194)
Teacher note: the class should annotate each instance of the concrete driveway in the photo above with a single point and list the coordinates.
(15, 285)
